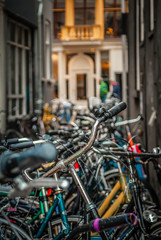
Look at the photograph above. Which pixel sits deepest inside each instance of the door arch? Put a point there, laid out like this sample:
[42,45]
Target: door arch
[81,64]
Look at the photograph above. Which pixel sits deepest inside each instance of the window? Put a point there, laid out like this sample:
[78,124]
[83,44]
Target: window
[95,86]
[55,73]
[112,3]
[59,17]
[84,12]
[67,88]
[81,87]
[105,64]
[19,70]
[112,18]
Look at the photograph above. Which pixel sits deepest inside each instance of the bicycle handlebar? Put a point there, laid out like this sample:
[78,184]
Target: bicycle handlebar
[9,141]
[106,114]
[19,146]
[103,116]
[115,110]
[23,145]
[132,154]
[118,124]
[99,225]
[11,164]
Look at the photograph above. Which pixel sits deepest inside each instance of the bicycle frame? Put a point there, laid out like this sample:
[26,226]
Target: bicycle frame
[58,202]
[122,184]
[124,197]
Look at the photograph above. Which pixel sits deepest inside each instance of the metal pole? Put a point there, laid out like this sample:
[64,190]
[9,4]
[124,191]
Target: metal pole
[40,10]
[124,59]
[2,71]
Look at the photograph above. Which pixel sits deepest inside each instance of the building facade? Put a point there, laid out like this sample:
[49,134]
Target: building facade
[87,45]
[144,48]
[144,41]
[25,58]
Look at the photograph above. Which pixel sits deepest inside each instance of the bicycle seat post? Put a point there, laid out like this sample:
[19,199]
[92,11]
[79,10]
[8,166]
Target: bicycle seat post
[91,208]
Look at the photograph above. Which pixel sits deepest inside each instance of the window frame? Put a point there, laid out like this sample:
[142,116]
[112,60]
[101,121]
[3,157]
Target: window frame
[56,11]
[85,8]
[115,9]
[17,104]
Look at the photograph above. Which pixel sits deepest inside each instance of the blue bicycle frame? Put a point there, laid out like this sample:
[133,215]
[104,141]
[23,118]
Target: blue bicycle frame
[58,202]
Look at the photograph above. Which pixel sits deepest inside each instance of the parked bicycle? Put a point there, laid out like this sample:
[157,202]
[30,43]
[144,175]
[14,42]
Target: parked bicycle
[48,216]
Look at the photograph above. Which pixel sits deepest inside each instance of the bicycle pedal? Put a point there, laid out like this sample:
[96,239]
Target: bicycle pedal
[150,216]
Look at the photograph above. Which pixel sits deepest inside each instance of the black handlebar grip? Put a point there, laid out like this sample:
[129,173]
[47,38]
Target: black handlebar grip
[11,164]
[52,132]
[5,142]
[3,149]
[43,151]
[22,145]
[99,225]
[115,110]
[103,224]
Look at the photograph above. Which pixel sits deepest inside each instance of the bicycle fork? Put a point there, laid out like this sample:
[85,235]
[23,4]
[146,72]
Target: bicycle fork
[136,196]
[91,208]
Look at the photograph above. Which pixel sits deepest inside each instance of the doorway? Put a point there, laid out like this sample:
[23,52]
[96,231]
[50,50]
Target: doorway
[81,86]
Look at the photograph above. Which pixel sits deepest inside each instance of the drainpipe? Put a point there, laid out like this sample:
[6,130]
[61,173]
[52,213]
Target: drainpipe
[124,58]
[2,71]
[40,11]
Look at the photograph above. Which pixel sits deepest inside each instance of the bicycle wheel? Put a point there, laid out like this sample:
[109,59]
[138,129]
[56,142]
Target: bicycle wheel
[104,185]
[12,133]
[128,233]
[57,224]
[9,231]
[155,231]
[148,194]
[135,233]
[73,221]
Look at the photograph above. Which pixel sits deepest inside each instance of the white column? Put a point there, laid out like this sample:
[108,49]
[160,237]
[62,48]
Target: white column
[61,78]
[98,70]
[2,73]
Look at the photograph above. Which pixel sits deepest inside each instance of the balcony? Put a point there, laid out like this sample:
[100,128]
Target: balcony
[86,32]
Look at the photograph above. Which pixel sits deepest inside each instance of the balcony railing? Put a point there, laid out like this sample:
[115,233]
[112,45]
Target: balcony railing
[86,32]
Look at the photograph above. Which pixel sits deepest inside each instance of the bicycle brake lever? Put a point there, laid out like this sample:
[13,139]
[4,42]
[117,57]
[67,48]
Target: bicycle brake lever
[23,189]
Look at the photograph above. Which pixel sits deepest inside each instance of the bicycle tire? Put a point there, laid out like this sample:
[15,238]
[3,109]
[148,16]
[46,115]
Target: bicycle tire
[127,233]
[151,194]
[12,133]
[155,231]
[73,221]
[132,233]
[7,228]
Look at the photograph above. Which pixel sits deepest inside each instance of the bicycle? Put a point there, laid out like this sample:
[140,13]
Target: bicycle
[64,164]
[11,165]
